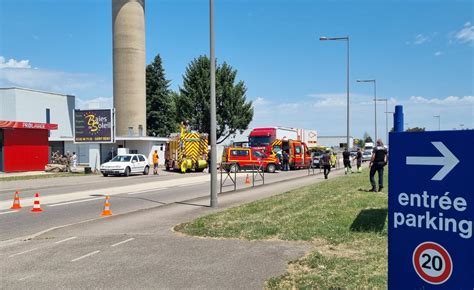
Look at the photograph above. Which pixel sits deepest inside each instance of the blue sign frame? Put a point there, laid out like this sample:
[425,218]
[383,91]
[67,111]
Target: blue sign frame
[431,210]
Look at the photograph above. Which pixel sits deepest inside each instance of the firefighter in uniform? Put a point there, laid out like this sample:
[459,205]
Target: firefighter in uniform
[346,158]
[377,164]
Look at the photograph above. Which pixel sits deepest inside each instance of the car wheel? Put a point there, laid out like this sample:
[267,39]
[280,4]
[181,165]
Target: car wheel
[146,170]
[234,167]
[105,174]
[127,171]
[271,168]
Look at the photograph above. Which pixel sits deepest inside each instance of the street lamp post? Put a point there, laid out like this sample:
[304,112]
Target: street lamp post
[345,38]
[439,121]
[386,117]
[213,133]
[375,101]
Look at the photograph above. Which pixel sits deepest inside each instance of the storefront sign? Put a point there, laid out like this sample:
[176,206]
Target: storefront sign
[27,125]
[93,126]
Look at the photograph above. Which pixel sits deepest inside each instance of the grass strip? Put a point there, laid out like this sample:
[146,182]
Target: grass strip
[346,224]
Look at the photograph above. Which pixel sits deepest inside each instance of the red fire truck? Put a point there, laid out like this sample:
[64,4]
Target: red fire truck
[275,140]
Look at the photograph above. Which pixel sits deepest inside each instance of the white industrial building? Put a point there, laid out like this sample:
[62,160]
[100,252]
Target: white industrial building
[27,105]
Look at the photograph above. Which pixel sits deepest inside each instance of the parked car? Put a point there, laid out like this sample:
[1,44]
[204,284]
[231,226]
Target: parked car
[125,165]
[366,155]
[239,158]
[316,159]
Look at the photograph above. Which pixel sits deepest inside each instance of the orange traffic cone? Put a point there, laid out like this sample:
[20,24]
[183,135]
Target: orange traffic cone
[247,180]
[106,211]
[16,201]
[36,205]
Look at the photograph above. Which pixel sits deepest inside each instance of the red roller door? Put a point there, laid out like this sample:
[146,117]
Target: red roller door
[25,149]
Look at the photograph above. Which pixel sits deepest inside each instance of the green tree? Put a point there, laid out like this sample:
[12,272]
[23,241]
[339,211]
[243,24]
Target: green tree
[367,138]
[415,129]
[233,112]
[160,105]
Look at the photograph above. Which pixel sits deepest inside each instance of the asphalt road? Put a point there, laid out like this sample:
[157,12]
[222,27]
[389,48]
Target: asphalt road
[72,200]
[138,249]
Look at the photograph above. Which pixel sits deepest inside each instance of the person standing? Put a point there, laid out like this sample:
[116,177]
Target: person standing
[377,164]
[286,160]
[74,160]
[326,162]
[346,158]
[155,163]
[358,158]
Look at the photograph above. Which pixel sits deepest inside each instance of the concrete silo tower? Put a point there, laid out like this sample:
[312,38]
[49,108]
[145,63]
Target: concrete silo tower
[128,28]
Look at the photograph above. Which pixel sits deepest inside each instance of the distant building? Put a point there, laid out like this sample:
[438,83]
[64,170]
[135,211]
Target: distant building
[23,105]
[336,142]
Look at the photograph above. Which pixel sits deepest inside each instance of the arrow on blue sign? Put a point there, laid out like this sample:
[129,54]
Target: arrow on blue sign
[448,161]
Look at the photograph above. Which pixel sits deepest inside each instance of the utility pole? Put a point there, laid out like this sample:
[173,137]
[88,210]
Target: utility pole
[213,165]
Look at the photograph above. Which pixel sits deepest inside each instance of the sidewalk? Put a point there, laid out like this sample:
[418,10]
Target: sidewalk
[152,255]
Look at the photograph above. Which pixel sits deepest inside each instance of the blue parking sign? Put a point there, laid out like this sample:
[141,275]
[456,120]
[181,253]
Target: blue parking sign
[431,210]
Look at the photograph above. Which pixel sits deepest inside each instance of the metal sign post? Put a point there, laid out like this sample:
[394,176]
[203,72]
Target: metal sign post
[431,210]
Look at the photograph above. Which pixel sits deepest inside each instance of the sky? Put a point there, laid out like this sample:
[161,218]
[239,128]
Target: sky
[421,53]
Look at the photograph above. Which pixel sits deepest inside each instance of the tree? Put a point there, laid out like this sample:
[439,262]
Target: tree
[415,129]
[367,138]
[233,112]
[160,105]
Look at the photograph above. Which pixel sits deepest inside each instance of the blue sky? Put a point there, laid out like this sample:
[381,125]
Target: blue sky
[420,52]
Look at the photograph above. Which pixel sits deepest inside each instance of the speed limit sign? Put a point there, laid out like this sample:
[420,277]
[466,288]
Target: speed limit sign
[432,263]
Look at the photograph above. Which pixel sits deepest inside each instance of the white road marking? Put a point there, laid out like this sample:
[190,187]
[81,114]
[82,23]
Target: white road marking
[150,190]
[6,212]
[189,184]
[123,242]
[77,201]
[85,256]
[27,251]
[65,240]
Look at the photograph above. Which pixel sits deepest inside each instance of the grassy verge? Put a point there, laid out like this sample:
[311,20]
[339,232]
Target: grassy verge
[346,225]
[41,176]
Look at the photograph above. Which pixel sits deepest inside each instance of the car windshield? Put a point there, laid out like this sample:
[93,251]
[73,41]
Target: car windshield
[259,141]
[121,158]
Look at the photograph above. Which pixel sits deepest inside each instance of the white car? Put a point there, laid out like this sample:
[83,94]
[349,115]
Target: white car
[367,155]
[125,165]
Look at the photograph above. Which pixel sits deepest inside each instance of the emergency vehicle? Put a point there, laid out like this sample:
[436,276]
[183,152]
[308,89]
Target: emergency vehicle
[275,140]
[186,151]
[265,138]
[299,154]
[239,158]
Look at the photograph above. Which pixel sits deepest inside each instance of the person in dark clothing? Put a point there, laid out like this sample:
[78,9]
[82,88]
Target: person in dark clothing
[346,158]
[358,157]
[326,163]
[286,161]
[377,164]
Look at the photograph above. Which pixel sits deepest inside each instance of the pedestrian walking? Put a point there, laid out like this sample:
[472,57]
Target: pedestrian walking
[286,161]
[346,159]
[326,162]
[67,161]
[155,162]
[377,164]
[358,159]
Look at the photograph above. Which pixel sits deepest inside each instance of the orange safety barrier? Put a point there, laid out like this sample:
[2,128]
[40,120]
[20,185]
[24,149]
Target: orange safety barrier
[16,201]
[247,180]
[36,205]
[106,211]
